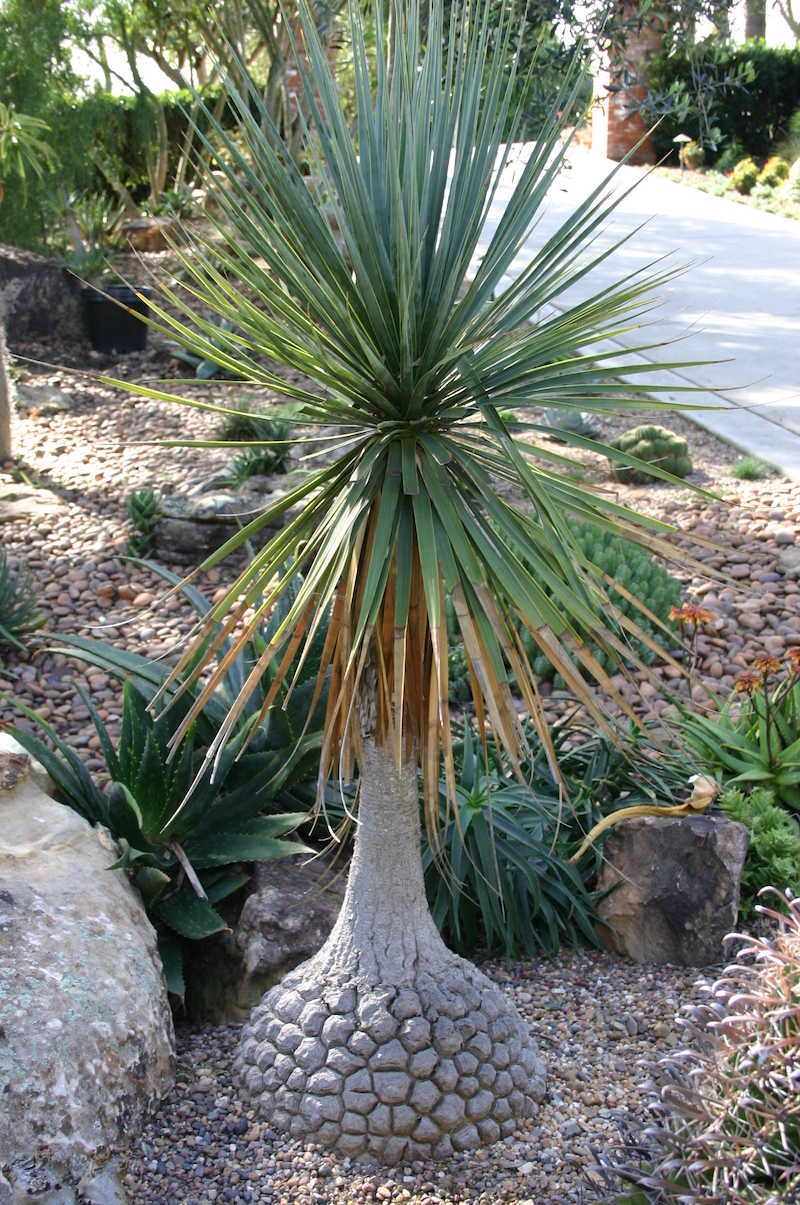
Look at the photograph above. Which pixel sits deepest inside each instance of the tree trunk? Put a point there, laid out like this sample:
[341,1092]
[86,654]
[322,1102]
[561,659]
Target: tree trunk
[5,393]
[386,1043]
[755,19]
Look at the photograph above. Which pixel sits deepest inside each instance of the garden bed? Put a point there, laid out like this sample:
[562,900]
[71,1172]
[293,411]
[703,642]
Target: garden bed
[719,184]
[594,1014]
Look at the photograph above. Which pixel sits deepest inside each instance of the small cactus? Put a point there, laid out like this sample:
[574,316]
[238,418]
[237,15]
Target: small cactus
[657,446]
[143,510]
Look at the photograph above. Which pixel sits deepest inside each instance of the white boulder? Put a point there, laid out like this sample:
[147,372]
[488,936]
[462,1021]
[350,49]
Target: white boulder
[86,1037]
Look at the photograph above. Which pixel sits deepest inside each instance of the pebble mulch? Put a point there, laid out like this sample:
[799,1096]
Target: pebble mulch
[595,1015]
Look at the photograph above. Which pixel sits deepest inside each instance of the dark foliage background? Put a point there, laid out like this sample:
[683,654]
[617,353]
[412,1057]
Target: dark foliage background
[755,116]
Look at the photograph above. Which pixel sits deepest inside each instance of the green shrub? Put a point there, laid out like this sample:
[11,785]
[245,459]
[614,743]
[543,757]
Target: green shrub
[755,117]
[773,856]
[774,172]
[118,131]
[733,152]
[655,445]
[630,565]
[19,615]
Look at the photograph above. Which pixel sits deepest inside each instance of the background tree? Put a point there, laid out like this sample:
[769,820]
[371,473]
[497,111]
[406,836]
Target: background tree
[786,10]
[22,150]
[412,358]
[755,19]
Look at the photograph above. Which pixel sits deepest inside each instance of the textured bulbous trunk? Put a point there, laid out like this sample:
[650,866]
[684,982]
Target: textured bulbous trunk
[386,1043]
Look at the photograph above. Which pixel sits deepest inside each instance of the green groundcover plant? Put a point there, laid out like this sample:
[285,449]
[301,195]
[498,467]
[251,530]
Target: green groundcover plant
[773,855]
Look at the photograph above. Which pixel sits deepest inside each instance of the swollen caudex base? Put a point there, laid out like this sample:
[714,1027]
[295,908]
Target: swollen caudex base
[414,1073]
[385,1043]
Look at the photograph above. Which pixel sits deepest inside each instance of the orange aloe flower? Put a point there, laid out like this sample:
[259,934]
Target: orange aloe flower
[747,682]
[690,613]
[767,664]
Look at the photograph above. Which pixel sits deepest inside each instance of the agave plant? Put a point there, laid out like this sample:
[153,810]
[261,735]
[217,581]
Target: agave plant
[19,614]
[412,358]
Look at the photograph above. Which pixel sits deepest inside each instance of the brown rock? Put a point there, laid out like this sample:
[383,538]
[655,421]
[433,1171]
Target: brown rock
[285,920]
[40,298]
[737,570]
[675,887]
[149,234]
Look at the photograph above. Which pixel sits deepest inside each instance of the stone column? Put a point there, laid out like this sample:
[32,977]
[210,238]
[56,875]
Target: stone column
[618,74]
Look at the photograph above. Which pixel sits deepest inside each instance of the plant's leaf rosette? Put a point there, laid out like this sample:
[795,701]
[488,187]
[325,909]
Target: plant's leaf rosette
[19,614]
[414,359]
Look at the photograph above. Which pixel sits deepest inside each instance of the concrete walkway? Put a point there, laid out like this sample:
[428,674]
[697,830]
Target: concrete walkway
[740,302]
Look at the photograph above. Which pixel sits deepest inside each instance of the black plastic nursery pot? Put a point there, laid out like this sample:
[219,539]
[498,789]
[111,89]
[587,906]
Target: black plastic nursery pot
[112,327]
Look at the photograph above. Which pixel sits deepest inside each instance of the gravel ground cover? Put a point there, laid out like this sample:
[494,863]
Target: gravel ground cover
[595,1015]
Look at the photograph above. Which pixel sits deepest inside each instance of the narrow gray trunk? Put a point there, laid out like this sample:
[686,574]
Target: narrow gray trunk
[385,931]
[5,392]
[386,1044]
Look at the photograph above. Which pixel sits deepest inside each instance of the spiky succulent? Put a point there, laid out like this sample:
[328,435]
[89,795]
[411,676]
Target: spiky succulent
[727,1128]
[142,506]
[19,614]
[650,445]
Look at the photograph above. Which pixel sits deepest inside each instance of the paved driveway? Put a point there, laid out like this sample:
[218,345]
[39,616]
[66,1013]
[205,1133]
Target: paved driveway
[740,300]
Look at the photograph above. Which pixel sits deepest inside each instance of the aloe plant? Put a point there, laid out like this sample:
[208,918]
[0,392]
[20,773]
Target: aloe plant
[759,746]
[183,827]
[142,506]
[171,822]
